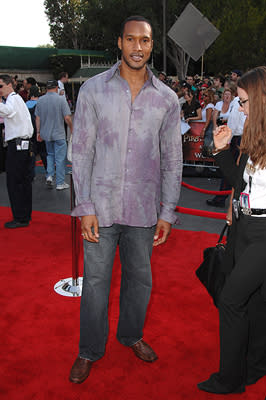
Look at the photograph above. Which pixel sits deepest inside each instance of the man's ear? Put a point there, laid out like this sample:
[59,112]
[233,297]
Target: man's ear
[119,43]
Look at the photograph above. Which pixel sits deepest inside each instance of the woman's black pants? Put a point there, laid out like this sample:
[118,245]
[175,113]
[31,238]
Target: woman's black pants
[242,307]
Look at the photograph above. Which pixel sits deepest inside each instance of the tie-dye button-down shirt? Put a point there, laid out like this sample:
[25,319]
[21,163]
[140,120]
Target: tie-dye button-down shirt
[126,157]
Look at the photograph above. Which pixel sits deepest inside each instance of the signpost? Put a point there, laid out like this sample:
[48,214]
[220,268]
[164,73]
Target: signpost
[193,32]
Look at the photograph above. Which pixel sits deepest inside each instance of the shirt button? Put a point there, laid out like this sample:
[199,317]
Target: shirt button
[129,150]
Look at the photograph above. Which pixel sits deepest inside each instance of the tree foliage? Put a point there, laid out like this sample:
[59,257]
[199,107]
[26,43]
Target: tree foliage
[95,25]
[242,42]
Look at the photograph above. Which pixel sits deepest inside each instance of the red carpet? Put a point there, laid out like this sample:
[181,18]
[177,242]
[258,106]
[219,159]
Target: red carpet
[40,329]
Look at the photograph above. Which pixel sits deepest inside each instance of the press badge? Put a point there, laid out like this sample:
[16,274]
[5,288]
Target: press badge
[244,200]
[25,144]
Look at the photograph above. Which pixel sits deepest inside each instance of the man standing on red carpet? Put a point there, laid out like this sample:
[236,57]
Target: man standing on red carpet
[127,166]
[18,131]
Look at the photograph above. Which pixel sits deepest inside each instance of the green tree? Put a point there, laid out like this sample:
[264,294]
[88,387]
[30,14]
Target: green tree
[242,42]
[65,21]
[95,24]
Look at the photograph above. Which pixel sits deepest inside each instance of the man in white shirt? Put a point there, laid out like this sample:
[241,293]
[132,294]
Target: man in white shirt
[63,78]
[18,131]
[236,121]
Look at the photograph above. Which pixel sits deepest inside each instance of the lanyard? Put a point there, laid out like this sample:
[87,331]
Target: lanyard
[249,183]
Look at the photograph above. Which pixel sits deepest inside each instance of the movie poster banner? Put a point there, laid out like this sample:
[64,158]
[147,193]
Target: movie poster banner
[193,142]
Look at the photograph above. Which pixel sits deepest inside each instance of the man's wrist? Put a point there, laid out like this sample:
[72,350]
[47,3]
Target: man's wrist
[216,150]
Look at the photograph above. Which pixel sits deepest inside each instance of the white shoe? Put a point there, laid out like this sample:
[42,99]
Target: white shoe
[62,186]
[49,181]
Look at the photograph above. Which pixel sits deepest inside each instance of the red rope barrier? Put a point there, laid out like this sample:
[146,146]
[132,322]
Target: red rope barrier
[217,192]
[200,213]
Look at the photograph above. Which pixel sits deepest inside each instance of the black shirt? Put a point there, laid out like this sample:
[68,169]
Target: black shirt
[190,110]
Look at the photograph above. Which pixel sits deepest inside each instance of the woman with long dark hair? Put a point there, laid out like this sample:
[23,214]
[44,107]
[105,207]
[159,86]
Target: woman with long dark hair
[242,303]
[191,109]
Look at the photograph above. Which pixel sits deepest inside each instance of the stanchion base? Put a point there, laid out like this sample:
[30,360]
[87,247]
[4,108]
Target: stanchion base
[65,287]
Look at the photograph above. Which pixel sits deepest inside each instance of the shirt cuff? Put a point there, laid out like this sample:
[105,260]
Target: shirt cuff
[83,209]
[169,215]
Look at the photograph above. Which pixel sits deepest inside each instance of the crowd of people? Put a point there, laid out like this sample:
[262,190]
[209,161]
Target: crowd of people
[32,125]
[214,101]
[31,91]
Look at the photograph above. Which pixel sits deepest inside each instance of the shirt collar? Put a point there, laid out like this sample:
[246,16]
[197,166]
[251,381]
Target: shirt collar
[10,94]
[114,70]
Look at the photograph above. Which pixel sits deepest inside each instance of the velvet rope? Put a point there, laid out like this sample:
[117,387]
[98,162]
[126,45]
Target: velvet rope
[217,192]
[201,213]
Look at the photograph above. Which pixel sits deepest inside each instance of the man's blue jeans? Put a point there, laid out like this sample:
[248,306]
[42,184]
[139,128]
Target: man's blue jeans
[135,248]
[56,155]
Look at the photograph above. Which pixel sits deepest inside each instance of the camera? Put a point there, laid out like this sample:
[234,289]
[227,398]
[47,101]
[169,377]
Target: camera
[220,121]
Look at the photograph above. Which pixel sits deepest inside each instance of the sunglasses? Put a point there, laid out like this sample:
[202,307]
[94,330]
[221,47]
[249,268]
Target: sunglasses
[241,103]
[205,95]
[1,86]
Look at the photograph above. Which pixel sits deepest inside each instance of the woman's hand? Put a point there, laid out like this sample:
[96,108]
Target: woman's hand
[221,136]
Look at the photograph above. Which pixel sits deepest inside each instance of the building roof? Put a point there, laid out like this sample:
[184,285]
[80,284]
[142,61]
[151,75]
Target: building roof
[37,58]
[83,74]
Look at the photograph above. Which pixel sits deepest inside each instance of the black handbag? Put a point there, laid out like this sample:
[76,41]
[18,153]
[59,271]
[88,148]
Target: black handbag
[210,271]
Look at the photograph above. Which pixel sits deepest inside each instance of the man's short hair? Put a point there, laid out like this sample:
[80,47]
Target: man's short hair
[31,81]
[237,71]
[7,79]
[34,91]
[220,77]
[51,84]
[138,18]
[63,75]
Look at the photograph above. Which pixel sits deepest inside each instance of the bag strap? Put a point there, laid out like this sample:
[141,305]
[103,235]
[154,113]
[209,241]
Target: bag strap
[224,230]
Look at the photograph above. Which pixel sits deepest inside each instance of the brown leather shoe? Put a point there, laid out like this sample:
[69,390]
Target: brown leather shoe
[143,351]
[80,370]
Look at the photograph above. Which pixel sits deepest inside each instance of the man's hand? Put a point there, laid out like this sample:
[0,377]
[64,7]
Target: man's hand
[162,232]
[39,139]
[87,223]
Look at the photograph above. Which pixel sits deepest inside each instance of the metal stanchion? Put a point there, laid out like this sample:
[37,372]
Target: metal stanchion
[72,287]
